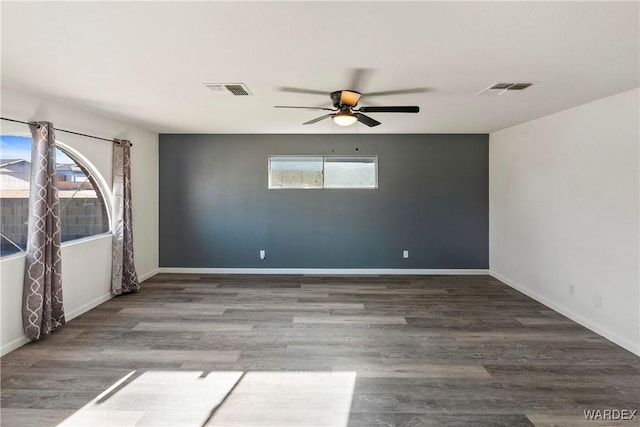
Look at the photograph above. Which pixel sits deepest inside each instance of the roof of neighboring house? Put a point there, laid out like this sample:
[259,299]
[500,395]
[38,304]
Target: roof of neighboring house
[68,167]
[23,193]
[9,182]
[6,162]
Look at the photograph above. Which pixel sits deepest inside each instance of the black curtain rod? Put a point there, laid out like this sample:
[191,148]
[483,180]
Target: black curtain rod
[63,130]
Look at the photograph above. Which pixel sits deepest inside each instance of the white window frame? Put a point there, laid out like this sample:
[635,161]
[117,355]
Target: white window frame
[324,159]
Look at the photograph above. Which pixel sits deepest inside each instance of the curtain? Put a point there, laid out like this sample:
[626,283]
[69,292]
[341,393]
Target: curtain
[42,308]
[123,276]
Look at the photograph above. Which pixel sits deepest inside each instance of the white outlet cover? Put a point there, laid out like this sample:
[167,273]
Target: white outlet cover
[405,254]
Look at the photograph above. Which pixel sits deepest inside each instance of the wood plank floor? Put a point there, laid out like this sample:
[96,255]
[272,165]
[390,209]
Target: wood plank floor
[310,350]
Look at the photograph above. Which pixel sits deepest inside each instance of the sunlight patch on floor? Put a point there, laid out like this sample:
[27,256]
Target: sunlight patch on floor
[288,399]
[193,398]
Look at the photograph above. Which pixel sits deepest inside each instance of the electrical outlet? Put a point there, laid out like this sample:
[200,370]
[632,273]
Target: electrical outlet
[571,290]
[263,254]
[405,254]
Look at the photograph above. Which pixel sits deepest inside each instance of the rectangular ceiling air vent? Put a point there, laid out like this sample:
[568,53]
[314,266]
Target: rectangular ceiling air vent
[235,89]
[503,88]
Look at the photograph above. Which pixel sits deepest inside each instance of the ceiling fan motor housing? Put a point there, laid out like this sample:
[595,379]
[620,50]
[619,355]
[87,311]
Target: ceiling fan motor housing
[345,98]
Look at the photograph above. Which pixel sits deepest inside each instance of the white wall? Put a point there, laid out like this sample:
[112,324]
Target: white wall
[86,264]
[564,211]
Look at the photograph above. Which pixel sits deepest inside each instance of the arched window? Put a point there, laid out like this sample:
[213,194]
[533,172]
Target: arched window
[84,209]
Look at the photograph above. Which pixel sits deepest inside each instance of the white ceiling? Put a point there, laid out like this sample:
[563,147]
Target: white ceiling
[145,62]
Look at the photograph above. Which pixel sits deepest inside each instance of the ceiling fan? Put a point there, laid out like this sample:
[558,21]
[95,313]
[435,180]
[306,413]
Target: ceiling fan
[344,111]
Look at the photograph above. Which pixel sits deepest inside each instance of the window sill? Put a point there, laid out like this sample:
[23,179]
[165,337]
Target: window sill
[64,245]
[86,239]
[17,255]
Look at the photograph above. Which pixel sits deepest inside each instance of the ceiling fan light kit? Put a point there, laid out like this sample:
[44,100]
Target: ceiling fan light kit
[344,118]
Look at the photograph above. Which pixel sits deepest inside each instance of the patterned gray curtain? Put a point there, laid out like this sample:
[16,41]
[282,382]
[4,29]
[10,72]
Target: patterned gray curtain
[123,272]
[42,309]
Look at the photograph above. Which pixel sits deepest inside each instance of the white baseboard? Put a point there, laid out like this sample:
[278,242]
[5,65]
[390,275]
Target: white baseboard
[324,271]
[598,329]
[104,298]
[19,342]
[12,345]
[143,277]
[88,306]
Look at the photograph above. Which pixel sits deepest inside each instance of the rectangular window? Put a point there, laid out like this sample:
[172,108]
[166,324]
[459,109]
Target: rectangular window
[295,172]
[350,172]
[323,172]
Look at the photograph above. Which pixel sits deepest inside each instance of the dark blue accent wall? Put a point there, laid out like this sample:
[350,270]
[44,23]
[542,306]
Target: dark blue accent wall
[432,200]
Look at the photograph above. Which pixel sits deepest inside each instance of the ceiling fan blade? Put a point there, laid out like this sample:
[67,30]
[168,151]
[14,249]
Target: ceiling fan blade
[301,90]
[306,108]
[359,77]
[317,119]
[366,120]
[398,109]
[398,92]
